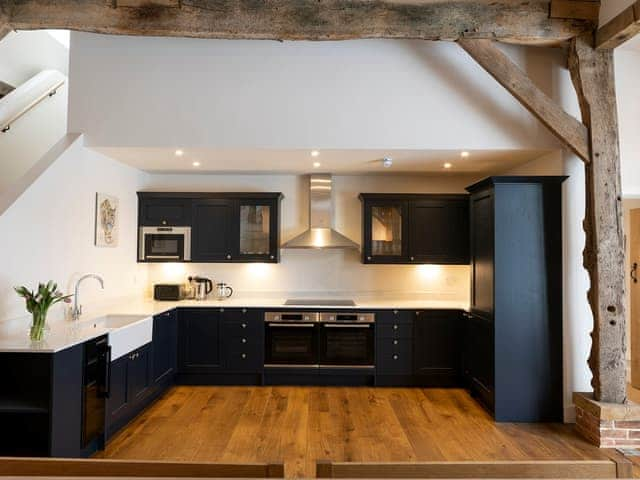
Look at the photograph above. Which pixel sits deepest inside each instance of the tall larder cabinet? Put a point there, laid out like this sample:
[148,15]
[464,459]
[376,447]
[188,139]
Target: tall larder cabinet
[513,350]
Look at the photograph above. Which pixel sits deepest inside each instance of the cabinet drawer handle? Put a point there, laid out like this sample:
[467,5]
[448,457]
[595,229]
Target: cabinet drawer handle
[395,327]
[222,310]
[395,356]
[228,257]
[272,257]
[244,340]
[243,325]
[369,258]
[244,355]
[244,310]
[395,342]
[164,222]
[413,258]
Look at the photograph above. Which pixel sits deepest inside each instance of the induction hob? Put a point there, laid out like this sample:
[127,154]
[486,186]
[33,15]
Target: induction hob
[306,302]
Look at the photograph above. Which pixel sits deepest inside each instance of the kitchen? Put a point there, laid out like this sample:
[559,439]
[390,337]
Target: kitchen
[424,234]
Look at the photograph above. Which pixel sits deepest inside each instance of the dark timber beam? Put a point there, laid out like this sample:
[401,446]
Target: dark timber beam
[578,9]
[566,128]
[5,28]
[620,29]
[506,20]
[593,76]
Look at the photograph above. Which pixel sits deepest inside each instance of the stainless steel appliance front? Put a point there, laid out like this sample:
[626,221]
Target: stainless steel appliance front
[165,244]
[320,339]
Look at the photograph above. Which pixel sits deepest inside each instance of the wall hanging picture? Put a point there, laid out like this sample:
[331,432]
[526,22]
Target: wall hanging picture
[107,220]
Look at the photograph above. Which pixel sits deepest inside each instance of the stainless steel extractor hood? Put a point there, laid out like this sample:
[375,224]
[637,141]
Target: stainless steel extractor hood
[320,233]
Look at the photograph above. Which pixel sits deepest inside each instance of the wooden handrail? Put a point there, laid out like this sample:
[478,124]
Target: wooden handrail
[620,468]
[57,467]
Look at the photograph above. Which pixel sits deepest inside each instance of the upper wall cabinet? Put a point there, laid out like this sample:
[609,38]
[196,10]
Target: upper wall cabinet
[225,227]
[415,229]
[159,211]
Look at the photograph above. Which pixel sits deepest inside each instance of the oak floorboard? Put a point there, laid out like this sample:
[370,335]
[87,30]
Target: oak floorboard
[300,425]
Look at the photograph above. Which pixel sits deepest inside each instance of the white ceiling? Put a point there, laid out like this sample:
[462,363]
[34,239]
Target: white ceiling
[162,160]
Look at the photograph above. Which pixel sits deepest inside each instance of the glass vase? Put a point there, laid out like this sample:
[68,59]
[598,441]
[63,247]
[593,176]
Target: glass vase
[38,328]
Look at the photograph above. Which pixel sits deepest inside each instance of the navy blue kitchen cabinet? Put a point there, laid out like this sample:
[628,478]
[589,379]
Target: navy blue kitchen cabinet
[225,227]
[514,346]
[394,347]
[437,348]
[44,404]
[213,230]
[220,346]
[160,210]
[130,388]
[165,349]
[415,228]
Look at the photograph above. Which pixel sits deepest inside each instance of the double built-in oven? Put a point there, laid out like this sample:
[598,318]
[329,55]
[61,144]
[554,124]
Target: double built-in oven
[319,339]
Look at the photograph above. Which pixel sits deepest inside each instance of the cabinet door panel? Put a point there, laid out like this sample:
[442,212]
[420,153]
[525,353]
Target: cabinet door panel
[436,348]
[482,254]
[258,230]
[439,231]
[138,374]
[385,231]
[165,340]
[199,341]
[156,212]
[117,403]
[213,233]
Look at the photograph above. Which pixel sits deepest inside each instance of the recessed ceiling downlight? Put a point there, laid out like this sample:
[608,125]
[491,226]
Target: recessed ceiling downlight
[447,165]
[316,164]
[196,164]
[464,154]
[179,153]
[315,153]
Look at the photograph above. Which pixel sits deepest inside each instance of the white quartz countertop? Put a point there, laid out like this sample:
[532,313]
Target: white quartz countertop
[63,335]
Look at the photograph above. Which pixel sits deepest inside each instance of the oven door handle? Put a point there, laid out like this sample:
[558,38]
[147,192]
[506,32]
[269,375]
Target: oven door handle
[292,325]
[342,325]
[171,257]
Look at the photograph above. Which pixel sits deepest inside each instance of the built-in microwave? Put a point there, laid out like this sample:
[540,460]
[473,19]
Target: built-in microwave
[165,244]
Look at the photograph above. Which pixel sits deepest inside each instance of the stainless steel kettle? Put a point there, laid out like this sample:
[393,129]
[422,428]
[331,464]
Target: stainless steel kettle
[204,287]
[223,291]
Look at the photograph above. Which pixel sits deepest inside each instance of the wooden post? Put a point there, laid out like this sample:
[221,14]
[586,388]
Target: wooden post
[5,28]
[593,76]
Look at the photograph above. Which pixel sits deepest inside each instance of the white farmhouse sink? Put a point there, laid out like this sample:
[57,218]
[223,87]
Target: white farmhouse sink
[126,332]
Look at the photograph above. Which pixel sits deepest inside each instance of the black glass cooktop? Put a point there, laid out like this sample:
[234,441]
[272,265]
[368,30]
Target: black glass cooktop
[305,302]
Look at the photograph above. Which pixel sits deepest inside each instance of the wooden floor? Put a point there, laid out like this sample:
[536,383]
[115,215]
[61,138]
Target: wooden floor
[302,424]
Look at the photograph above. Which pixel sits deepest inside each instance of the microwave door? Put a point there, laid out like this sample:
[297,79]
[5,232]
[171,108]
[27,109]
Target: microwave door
[169,247]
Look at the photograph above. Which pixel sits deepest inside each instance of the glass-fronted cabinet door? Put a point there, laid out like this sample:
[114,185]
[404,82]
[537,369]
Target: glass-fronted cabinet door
[385,231]
[258,225]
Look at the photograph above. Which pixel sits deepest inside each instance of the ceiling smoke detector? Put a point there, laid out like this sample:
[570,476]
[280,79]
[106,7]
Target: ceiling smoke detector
[387,162]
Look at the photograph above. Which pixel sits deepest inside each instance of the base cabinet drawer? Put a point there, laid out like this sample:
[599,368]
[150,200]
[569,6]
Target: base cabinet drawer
[245,360]
[394,357]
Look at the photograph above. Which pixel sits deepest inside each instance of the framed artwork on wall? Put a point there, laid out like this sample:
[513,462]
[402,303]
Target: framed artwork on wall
[107,220]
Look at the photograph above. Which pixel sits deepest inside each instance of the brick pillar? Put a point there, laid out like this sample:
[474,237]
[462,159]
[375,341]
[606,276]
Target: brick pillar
[607,425]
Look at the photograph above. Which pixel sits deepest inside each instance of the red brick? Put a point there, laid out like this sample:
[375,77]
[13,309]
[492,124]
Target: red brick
[634,434]
[628,424]
[615,433]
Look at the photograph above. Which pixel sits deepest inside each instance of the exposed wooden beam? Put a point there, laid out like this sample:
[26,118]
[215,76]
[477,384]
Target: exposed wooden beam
[518,22]
[619,29]
[5,28]
[566,128]
[593,76]
[578,9]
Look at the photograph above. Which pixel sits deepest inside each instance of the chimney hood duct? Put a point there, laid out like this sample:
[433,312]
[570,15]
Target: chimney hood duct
[320,233]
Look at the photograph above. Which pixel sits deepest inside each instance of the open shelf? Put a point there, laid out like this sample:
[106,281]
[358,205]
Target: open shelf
[23,405]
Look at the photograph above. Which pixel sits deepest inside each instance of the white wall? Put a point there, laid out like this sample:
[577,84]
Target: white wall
[322,271]
[627,75]
[48,233]
[611,8]
[25,53]
[160,92]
